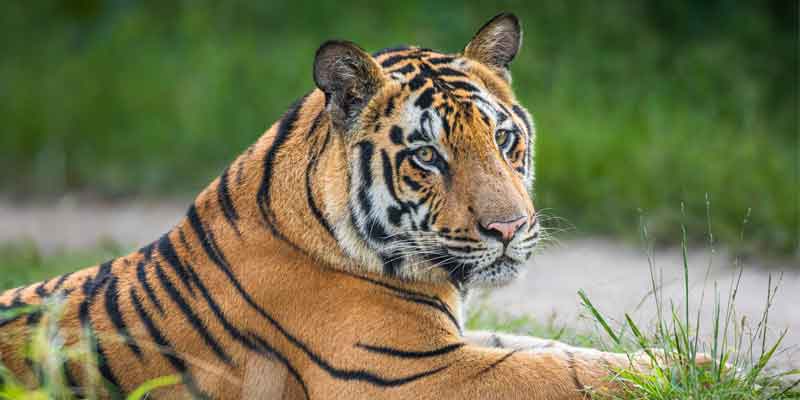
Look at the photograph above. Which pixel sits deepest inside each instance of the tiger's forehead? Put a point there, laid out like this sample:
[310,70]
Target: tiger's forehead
[459,77]
[449,91]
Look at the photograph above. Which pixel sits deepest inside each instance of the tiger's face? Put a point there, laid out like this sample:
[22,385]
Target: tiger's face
[440,164]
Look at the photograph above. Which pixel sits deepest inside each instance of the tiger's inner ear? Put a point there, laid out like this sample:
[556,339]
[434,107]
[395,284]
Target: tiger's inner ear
[349,77]
[496,43]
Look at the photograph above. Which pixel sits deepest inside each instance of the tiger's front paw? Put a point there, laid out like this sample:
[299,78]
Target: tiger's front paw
[646,360]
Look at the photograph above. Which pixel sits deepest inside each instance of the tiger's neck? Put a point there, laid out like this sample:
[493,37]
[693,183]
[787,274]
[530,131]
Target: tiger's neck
[287,194]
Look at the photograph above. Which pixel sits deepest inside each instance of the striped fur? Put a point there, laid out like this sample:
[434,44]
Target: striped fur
[329,259]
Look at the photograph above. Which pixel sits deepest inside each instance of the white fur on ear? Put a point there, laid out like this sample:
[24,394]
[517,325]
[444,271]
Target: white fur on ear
[496,43]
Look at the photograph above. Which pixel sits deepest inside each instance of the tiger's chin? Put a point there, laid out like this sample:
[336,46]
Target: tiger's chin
[501,272]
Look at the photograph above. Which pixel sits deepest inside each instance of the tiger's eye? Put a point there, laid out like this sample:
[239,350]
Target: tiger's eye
[425,154]
[502,137]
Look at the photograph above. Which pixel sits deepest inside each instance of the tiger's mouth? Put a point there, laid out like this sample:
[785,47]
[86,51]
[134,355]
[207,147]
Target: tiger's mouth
[500,272]
[502,262]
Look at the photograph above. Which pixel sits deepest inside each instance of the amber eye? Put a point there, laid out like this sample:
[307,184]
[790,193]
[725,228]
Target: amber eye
[425,155]
[502,136]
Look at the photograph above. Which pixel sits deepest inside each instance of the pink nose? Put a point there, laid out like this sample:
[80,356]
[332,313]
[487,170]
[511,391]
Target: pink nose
[508,229]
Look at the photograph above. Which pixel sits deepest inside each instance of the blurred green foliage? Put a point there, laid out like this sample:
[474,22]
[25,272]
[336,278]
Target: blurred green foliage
[639,105]
[22,262]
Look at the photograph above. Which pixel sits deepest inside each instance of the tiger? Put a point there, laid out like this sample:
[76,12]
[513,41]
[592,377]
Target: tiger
[331,259]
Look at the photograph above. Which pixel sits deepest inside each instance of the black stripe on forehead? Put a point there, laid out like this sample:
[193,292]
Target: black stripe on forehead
[440,60]
[425,131]
[388,50]
[501,117]
[521,114]
[406,69]
[505,109]
[502,114]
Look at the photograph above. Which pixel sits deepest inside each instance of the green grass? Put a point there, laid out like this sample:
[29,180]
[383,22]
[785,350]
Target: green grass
[46,352]
[22,262]
[638,105]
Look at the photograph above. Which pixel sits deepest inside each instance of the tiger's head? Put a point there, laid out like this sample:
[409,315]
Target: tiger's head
[439,154]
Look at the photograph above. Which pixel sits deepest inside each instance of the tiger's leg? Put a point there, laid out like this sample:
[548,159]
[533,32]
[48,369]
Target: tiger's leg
[476,372]
[509,341]
[586,367]
[551,372]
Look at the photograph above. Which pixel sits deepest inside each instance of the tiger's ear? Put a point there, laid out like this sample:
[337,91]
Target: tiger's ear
[496,43]
[349,77]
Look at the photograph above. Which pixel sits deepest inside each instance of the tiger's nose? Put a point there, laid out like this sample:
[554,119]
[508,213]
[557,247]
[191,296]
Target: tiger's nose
[506,229]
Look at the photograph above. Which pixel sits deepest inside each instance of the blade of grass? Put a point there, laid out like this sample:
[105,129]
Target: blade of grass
[599,317]
[153,384]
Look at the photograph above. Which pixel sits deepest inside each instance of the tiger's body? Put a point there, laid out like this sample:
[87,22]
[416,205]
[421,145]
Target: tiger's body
[329,261]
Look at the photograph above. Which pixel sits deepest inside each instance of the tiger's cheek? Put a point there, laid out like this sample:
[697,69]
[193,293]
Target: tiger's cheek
[516,156]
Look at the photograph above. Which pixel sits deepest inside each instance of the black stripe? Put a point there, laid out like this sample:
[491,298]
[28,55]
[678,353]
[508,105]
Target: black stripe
[190,315]
[60,281]
[416,82]
[496,341]
[263,197]
[416,297]
[390,50]
[408,68]
[411,354]
[226,203]
[91,288]
[218,313]
[112,308]
[388,177]
[414,185]
[496,363]
[310,170]
[466,86]
[391,263]
[425,99]
[141,274]
[147,251]
[106,372]
[465,248]
[17,296]
[40,289]
[447,71]
[440,60]
[72,383]
[573,371]
[210,248]
[165,348]
[34,317]
[521,114]
[396,59]
[372,228]
[6,321]
[315,123]
[390,106]
[167,251]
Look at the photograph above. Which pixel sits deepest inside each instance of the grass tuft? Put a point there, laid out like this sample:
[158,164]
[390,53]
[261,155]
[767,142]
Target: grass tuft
[48,355]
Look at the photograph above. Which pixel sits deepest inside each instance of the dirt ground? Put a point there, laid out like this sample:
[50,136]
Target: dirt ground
[615,276]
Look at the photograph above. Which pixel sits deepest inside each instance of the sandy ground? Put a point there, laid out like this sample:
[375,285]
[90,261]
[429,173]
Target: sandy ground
[615,276]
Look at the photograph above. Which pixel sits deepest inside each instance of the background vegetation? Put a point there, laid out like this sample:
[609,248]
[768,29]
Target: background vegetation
[639,105]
